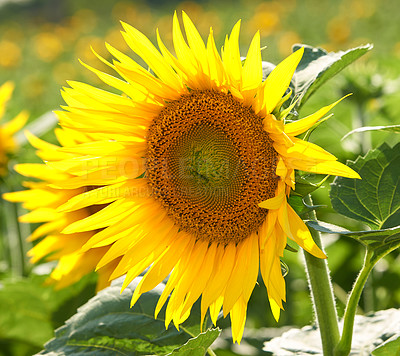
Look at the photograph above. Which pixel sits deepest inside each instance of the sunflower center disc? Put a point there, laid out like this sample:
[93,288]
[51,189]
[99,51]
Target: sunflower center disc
[209,163]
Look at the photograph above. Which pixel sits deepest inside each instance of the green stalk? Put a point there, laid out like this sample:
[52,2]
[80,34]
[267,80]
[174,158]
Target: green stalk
[5,242]
[344,346]
[21,242]
[322,293]
[13,236]
[360,120]
[211,352]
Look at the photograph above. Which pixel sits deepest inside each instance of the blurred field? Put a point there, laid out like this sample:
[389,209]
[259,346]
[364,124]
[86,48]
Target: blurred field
[41,41]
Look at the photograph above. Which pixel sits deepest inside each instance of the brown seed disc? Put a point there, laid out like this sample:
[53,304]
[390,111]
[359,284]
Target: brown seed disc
[209,163]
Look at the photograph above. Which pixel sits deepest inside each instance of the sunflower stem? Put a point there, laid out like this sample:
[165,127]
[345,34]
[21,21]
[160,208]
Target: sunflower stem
[344,346]
[4,239]
[322,293]
[15,243]
[211,352]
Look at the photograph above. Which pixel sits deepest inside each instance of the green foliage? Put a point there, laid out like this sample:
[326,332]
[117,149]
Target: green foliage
[390,348]
[24,313]
[389,128]
[304,186]
[317,66]
[380,241]
[107,325]
[38,91]
[298,204]
[30,310]
[198,345]
[375,199]
[370,331]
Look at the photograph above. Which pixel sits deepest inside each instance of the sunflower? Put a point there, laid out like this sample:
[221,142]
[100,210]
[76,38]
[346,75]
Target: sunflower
[7,130]
[43,200]
[186,172]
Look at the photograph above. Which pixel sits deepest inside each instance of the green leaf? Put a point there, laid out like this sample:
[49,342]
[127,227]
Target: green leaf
[24,315]
[300,207]
[369,332]
[267,68]
[108,326]
[284,268]
[317,66]
[197,346]
[375,199]
[389,128]
[381,241]
[30,310]
[390,348]
[304,186]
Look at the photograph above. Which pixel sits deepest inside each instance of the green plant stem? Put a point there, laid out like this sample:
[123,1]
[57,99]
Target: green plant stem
[20,241]
[361,121]
[344,346]
[4,235]
[322,293]
[13,236]
[211,352]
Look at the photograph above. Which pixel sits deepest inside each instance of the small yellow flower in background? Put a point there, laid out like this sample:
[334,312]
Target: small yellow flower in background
[10,54]
[8,129]
[48,46]
[188,172]
[339,30]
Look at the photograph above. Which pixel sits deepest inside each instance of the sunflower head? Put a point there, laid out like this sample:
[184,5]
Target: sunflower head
[187,171]
[209,163]
[8,129]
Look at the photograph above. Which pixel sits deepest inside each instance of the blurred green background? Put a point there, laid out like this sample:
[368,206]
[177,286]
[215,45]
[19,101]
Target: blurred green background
[40,43]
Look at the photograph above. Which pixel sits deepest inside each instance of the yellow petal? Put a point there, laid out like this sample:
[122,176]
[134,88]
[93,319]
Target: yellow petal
[275,202]
[298,127]
[41,171]
[267,228]
[144,211]
[294,228]
[5,95]
[196,43]
[276,310]
[110,80]
[104,275]
[40,215]
[308,150]
[234,287]
[326,167]
[50,227]
[238,319]
[217,72]
[252,69]
[186,280]
[174,278]
[253,267]
[11,127]
[231,57]
[215,309]
[139,265]
[279,79]
[111,214]
[71,268]
[219,277]
[141,45]
[182,50]
[165,263]
[201,280]
[135,250]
